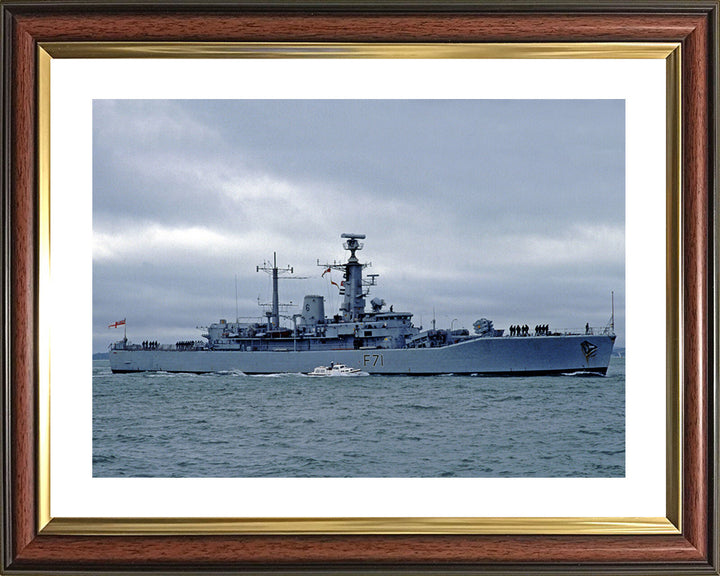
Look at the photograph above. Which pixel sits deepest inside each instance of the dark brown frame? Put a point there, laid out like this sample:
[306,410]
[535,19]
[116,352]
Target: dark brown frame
[692,23]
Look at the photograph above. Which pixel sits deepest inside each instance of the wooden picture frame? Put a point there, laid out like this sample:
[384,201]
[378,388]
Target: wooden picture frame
[30,546]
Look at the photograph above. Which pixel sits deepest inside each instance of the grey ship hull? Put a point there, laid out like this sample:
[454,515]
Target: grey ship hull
[482,356]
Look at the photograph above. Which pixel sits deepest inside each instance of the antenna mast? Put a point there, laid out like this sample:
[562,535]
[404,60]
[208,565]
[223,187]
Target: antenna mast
[274,271]
[237,314]
[353,305]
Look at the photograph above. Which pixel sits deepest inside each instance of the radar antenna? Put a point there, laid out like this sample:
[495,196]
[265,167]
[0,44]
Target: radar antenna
[352,244]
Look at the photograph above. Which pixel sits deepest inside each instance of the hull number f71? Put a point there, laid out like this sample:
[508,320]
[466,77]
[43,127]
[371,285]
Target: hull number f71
[373,360]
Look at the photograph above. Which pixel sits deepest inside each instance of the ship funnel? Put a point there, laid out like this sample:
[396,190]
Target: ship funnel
[313,311]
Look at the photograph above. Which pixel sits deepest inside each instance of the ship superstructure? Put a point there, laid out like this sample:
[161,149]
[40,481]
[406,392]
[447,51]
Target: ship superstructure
[379,340]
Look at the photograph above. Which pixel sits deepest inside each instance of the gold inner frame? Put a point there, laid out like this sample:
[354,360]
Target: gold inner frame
[671,524]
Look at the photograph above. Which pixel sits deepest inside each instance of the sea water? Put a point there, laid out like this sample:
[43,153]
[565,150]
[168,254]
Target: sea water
[292,425]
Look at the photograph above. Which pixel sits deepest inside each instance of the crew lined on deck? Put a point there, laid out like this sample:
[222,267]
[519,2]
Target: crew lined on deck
[524,330]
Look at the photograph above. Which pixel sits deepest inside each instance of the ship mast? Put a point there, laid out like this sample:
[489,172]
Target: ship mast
[353,305]
[275,272]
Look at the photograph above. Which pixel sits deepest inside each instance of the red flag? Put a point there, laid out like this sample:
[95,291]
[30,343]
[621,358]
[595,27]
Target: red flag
[326,271]
[116,324]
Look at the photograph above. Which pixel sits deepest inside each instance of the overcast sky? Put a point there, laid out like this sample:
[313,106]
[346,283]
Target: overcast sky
[510,210]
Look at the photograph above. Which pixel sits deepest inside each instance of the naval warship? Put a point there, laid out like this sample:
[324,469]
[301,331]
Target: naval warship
[378,340]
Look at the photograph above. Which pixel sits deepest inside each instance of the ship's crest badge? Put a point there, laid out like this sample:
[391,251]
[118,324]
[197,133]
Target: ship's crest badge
[589,349]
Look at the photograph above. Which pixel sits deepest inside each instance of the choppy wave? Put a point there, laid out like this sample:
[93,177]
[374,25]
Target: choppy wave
[514,398]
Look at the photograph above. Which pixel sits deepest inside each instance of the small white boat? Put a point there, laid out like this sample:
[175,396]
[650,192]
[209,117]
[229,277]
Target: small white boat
[337,370]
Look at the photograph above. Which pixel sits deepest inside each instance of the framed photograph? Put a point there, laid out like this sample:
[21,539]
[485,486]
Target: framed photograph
[193,193]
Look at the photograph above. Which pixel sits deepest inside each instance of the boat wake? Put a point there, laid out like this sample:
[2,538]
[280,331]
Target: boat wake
[277,375]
